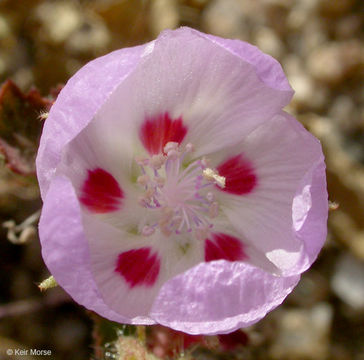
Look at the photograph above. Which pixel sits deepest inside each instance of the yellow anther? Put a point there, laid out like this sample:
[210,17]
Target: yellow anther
[157,161]
[143,180]
[212,175]
[47,284]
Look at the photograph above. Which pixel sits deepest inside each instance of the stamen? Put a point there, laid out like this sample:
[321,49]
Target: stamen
[213,210]
[210,196]
[157,161]
[201,233]
[189,148]
[170,146]
[212,175]
[142,161]
[177,196]
[148,230]
[143,180]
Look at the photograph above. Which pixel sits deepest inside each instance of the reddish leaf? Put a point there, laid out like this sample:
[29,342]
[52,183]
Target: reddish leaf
[165,342]
[233,340]
[20,126]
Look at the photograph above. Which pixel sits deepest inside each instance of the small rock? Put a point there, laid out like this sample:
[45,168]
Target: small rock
[225,18]
[163,15]
[330,63]
[308,94]
[68,332]
[335,7]
[311,289]
[349,26]
[303,334]
[324,64]
[4,28]
[269,42]
[91,37]
[58,20]
[314,36]
[348,281]
[341,110]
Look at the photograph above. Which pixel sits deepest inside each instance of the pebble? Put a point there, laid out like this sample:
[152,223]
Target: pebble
[58,19]
[348,281]
[303,333]
[91,37]
[164,15]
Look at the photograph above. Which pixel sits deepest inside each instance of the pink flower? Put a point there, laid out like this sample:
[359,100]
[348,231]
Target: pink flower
[176,190]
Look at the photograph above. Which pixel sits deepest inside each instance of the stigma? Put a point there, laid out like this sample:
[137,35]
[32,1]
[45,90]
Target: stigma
[178,193]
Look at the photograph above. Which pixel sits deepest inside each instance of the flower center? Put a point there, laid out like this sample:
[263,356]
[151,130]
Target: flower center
[180,198]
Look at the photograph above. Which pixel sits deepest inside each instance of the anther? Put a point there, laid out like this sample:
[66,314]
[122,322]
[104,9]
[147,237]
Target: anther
[143,180]
[159,180]
[213,210]
[173,154]
[210,196]
[170,146]
[212,175]
[205,162]
[201,233]
[157,161]
[164,227]
[141,160]
[189,148]
[148,230]
[188,211]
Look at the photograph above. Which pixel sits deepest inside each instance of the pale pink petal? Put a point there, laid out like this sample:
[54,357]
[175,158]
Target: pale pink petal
[221,246]
[310,211]
[100,192]
[155,133]
[139,266]
[239,174]
[77,104]
[268,69]
[114,196]
[219,297]
[65,250]
[284,158]
[223,243]
[216,98]
[130,287]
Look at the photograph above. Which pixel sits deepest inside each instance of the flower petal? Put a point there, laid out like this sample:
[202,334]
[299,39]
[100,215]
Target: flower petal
[310,212]
[239,175]
[218,95]
[138,266]
[112,195]
[65,249]
[77,104]
[224,247]
[268,69]
[130,269]
[219,297]
[285,158]
[100,192]
[155,133]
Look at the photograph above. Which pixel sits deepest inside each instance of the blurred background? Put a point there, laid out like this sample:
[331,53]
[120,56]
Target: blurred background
[320,46]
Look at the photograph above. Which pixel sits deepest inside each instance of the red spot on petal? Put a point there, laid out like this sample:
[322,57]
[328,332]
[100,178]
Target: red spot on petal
[138,267]
[239,174]
[100,192]
[155,133]
[233,340]
[224,247]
